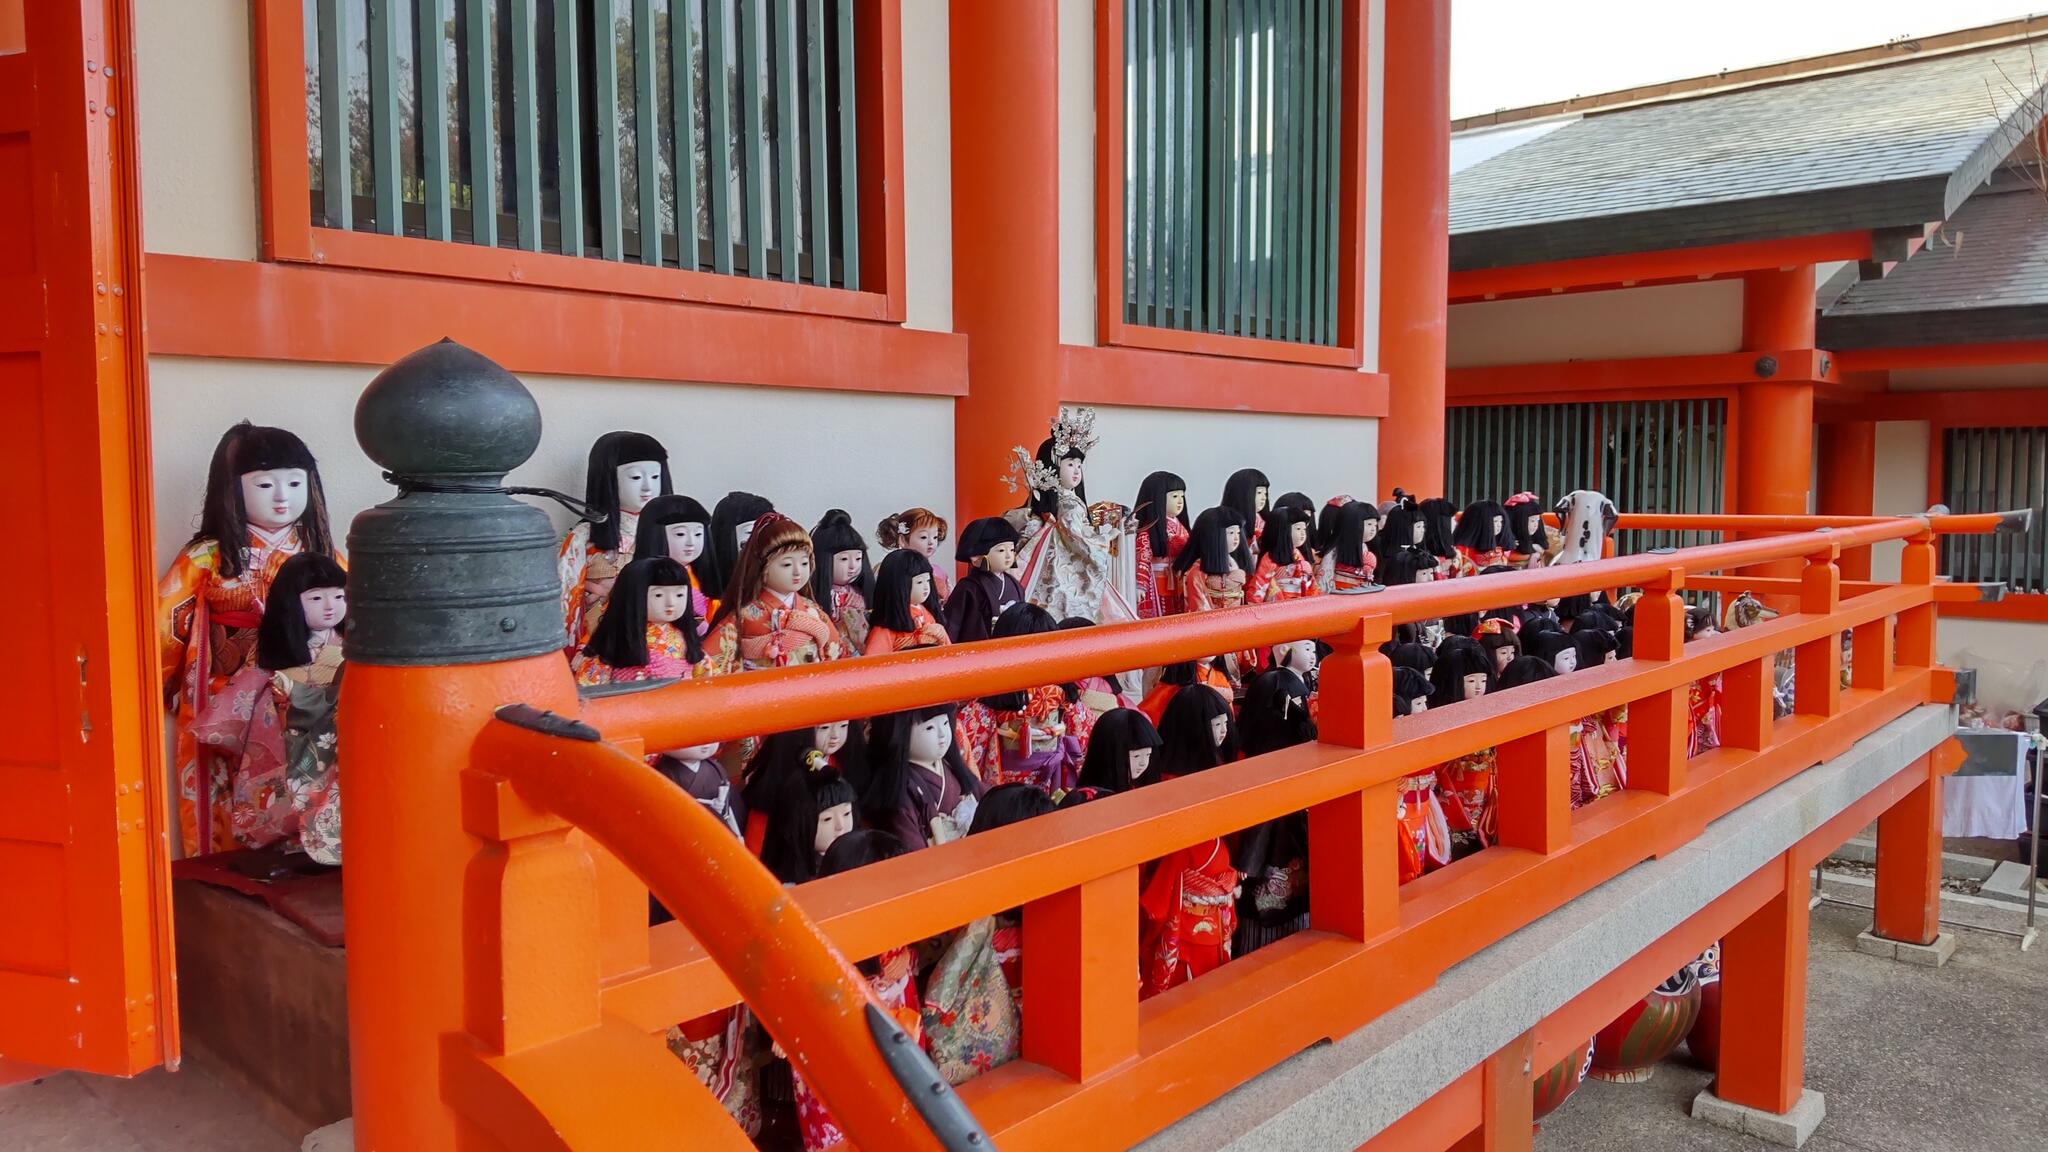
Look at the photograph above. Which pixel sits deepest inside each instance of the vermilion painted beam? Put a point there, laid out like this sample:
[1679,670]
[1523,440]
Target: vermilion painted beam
[1143,378]
[2031,608]
[1976,408]
[1944,355]
[1667,265]
[1655,373]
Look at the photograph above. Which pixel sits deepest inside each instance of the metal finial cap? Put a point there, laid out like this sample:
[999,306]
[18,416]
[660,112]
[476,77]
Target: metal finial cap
[447,410]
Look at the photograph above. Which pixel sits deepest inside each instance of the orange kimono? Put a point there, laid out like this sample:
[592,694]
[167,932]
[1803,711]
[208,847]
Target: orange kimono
[587,573]
[206,632]
[668,658]
[1158,591]
[773,633]
[1201,592]
[1155,702]
[1468,562]
[928,631]
[1272,583]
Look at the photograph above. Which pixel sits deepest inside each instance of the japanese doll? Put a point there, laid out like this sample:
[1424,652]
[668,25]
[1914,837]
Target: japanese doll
[1120,752]
[1187,907]
[1032,737]
[649,630]
[1162,531]
[1439,519]
[920,789]
[1349,562]
[1703,696]
[1248,493]
[901,618]
[273,723]
[1525,525]
[732,521]
[625,471]
[1286,569]
[844,585]
[677,527]
[1273,856]
[1466,786]
[766,618]
[698,773]
[989,547]
[1422,834]
[805,803]
[1481,539]
[1213,571]
[921,530]
[263,505]
[1069,550]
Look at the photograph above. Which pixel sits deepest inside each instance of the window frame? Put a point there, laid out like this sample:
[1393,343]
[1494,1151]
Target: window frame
[288,235]
[1110,141]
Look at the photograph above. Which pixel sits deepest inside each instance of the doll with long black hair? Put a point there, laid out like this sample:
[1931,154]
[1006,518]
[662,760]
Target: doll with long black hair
[263,505]
[1481,539]
[1214,569]
[732,523]
[1326,521]
[1421,830]
[920,789]
[1525,526]
[1348,561]
[625,471]
[1032,737]
[1599,747]
[1068,561]
[766,618]
[1120,752]
[648,631]
[1439,518]
[988,547]
[1249,494]
[1286,568]
[1187,906]
[844,584]
[1467,784]
[1274,855]
[1524,670]
[900,618]
[1161,515]
[806,803]
[678,527]
[1411,691]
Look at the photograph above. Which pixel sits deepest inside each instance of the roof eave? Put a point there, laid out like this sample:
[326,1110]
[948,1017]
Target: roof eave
[1993,325]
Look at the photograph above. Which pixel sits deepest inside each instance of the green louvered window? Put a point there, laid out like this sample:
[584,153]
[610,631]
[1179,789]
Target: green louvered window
[1233,121]
[1647,456]
[1997,470]
[591,127]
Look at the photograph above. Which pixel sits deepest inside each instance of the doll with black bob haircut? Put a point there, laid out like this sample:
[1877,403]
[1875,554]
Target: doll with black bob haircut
[627,644]
[734,512]
[988,589]
[900,617]
[1411,691]
[1187,733]
[283,639]
[1007,804]
[1347,539]
[1286,568]
[1525,528]
[1481,539]
[655,537]
[805,800]
[1119,733]
[1459,657]
[599,544]
[1524,670]
[1162,533]
[1247,493]
[1438,517]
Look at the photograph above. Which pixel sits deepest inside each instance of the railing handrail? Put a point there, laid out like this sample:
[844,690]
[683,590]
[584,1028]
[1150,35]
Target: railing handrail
[1941,524]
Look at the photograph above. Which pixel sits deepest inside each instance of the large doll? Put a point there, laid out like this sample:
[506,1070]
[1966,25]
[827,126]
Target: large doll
[989,546]
[922,531]
[625,471]
[844,584]
[1248,493]
[1187,906]
[1070,548]
[678,527]
[766,618]
[649,631]
[263,506]
[1286,569]
[1349,563]
[920,789]
[901,619]
[1162,531]
[1481,540]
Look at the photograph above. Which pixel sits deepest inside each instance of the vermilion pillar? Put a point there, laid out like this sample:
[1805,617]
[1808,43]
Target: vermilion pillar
[1414,260]
[1848,474]
[1774,421]
[1006,274]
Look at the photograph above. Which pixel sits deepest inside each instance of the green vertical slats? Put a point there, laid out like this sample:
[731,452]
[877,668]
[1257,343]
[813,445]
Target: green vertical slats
[1257,264]
[335,174]
[1333,100]
[1303,251]
[785,134]
[1280,194]
[525,126]
[1198,172]
[477,100]
[384,126]
[718,133]
[817,192]
[681,86]
[1240,164]
[569,128]
[1222,201]
[604,76]
[849,187]
[1140,214]
[1162,159]
[433,119]
[752,178]
[647,132]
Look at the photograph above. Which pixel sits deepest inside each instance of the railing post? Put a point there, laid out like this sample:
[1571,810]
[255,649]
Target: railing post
[1534,778]
[1871,653]
[1353,855]
[454,610]
[1908,898]
[1763,1001]
[1916,624]
[1749,704]
[1658,723]
[1080,964]
[1817,664]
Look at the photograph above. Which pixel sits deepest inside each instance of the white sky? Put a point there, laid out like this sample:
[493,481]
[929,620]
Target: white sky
[1510,53]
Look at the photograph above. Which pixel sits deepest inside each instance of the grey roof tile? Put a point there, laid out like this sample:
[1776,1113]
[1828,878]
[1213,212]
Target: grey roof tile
[1993,253]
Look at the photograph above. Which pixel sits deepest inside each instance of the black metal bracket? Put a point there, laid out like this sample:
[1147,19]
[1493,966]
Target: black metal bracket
[941,1107]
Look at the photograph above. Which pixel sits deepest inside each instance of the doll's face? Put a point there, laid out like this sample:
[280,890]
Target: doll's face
[1368,530]
[324,607]
[1219,728]
[639,482]
[1259,499]
[741,533]
[1298,657]
[1233,537]
[1425,575]
[846,565]
[1610,657]
[830,738]
[685,543]
[666,603]
[925,542]
[695,753]
[274,498]
[787,573]
[1502,657]
[1499,522]
[1419,704]
[1070,473]
[833,823]
[920,587]
[1416,532]
[1002,557]
[1533,527]
[1565,661]
[1300,535]
[1176,503]
[1141,763]
[931,739]
[1475,685]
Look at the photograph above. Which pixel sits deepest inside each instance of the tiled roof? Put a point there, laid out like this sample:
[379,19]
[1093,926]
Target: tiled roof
[1878,147]
[1984,278]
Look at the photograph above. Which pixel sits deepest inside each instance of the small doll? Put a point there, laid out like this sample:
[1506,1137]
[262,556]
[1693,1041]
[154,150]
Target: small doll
[1246,493]
[1422,830]
[1274,855]
[1439,518]
[1300,501]
[1555,647]
[1286,569]
[989,546]
[844,584]
[1120,752]
[648,631]
[1467,785]
[677,527]
[1481,539]
[1187,904]
[1503,646]
[1213,571]
[1033,737]
[626,470]
[920,789]
[922,531]
[900,618]
[1161,514]
[1411,691]
[808,804]
[843,743]
[765,619]
[1704,698]
[1525,525]
[1348,562]
[732,521]
[263,505]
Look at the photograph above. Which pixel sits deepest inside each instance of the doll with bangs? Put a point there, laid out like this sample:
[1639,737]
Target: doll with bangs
[902,617]
[1214,569]
[1349,562]
[677,527]
[626,471]
[1187,904]
[1286,569]
[1162,532]
[919,789]
[649,628]
[1481,539]
[1525,528]
[1467,785]
[767,618]
[844,584]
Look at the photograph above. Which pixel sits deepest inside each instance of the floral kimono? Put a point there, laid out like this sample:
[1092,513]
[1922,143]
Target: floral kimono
[1066,563]
[1044,744]
[1271,582]
[894,983]
[926,631]
[1703,700]
[668,658]
[1599,756]
[1471,562]
[1425,834]
[1469,790]
[972,1003]
[275,733]
[206,633]
[850,616]
[1335,577]
[1158,591]
[1187,914]
[774,633]
[587,572]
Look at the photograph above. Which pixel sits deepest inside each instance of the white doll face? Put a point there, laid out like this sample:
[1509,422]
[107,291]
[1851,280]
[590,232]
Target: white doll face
[846,565]
[685,542]
[1368,529]
[931,739]
[1499,523]
[274,498]
[1298,657]
[1565,661]
[695,753]
[920,587]
[1425,575]
[830,738]
[324,607]
[1141,763]
[1259,499]
[1533,526]
[639,482]
[1419,704]
[1300,535]
[1002,557]
[666,603]
[1070,473]
[1502,657]
[1416,532]
[1176,503]
[833,823]
[925,542]
[788,573]
[1610,657]
[1233,537]
[1475,685]
[741,533]
[1219,728]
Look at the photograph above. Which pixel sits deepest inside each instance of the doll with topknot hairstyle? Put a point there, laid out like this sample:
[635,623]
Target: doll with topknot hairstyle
[625,471]
[767,619]
[1162,526]
[844,584]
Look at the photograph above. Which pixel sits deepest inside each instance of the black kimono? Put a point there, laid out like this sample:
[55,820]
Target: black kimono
[977,600]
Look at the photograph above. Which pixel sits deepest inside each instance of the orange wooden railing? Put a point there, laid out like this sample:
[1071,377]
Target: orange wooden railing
[1096,1060]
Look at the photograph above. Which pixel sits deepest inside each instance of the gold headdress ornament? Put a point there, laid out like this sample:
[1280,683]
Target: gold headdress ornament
[1073,431]
[815,760]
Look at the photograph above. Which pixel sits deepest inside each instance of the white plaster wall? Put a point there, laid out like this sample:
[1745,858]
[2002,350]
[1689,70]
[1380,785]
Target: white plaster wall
[1700,318]
[927,166]
[2011,659]
[195,89]
[1077,171]
[1319,455]
[1900,485]
[807,451]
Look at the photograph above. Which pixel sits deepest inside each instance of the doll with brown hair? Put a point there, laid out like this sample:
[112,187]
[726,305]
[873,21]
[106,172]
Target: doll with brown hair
[263,505]
[767,618]
[922,531]
[625,471]
[844,584]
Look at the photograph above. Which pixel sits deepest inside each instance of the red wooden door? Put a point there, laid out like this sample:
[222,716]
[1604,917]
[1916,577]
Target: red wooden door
[85,950]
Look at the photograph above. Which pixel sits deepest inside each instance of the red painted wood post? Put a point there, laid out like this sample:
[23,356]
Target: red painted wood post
[1534,778]
[1909,863]
[1763,1001]
[1916,625]
[1658,723]
[1080,963]
[1748,706]
[1871,656]
[1507,1101]
[1817,664]
[1353,853]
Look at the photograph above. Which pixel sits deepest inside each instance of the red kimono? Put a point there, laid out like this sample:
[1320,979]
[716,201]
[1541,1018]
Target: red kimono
[1158,591]
[774,633]
[1187,913]
[1272,583]
[1469,562]
[1337,577]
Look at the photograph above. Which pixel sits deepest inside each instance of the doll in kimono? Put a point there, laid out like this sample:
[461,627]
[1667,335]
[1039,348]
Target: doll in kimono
[1030,737]
[901,618]
[625,471]
[1187,905]
[1161,514]
[804,801]
[732,521]
[1286,569]
[1525,525]
[844,584]
[1439,519]
[920,789]
[1467,785]
[1349,562]
[1069,549]
[920,530]
[989,546]
[767,618]
[676,526]
[263,505]
[1422,832]
[649,628]
[1248,493]
[1213,570]
[1481,539]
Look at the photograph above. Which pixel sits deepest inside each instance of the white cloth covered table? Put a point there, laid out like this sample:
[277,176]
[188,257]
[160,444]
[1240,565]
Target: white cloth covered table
[1987,795]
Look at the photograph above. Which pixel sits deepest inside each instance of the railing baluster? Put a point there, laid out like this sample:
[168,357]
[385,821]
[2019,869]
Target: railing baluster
[647,131]
[1916,625]
[1871,646]
[384,160]
[752,178]
[604,74]
[1352,847]
[335,169]
[569,129]
[1658,723]
[1748,705]
[477,99]
[682,89]
[525,126]
[1534,778]
[1079,958]
[818,191]
[433,119]
[1817,676]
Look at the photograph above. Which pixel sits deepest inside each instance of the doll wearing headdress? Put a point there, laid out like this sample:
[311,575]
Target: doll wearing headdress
[1068,556]
[649,629]
[766,618]
[263,506]
[1163,529]
[625,471]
